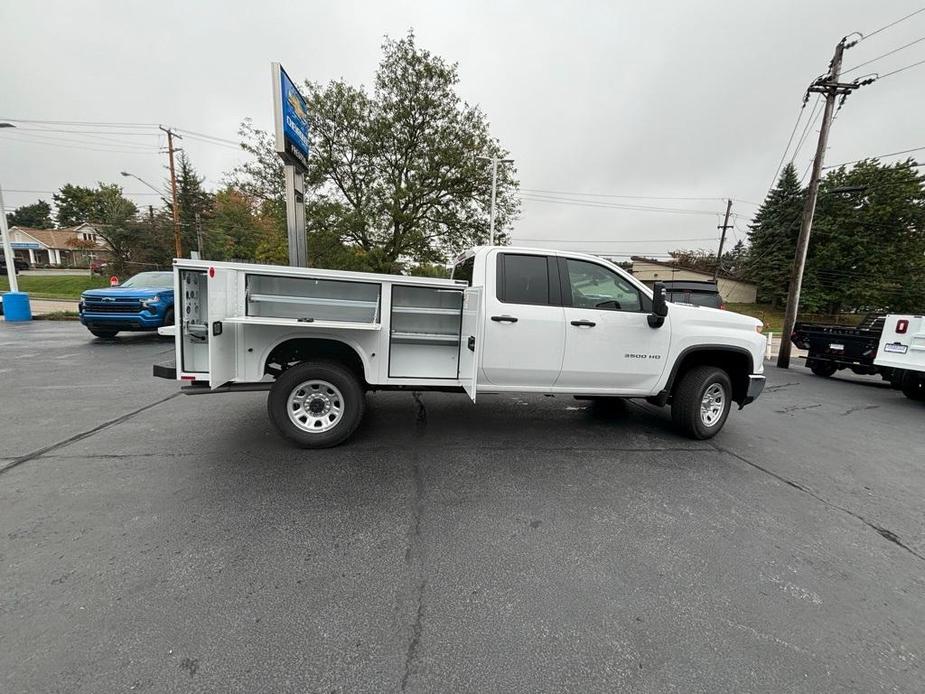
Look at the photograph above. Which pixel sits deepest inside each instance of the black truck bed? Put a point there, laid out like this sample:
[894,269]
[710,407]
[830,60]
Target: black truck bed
[834,347]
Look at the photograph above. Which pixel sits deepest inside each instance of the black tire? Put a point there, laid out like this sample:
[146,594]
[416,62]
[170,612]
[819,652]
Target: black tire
[823,368]
[347,389]
[105,334]
[688,398]
[913,386]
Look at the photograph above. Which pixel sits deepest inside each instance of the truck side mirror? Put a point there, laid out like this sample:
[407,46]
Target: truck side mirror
[659,306]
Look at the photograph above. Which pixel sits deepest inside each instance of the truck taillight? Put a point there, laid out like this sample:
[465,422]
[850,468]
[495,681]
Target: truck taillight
[902,325]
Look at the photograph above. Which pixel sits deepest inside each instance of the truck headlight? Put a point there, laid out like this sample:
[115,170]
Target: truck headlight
[147,303]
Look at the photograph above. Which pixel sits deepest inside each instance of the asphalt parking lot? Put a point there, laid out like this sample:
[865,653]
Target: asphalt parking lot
[164,543]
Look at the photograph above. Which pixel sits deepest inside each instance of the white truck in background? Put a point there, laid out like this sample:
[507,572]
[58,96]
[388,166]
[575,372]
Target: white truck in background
[514,320]
[902,349]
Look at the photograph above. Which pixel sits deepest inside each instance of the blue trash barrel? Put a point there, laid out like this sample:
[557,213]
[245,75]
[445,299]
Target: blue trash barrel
[16,306]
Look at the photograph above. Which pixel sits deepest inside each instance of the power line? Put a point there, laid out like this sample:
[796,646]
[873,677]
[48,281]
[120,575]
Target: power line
[606,205]
[52,192]
[902,69]
[789,140]
[87,123]
[813,116]
[891,24]
[884,55]
[104,142]
[208,137]
[612,195]
[209,142]
[24,140]
[85,132]
[876,156]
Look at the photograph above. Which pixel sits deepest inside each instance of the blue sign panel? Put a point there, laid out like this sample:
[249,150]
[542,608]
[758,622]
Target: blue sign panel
[25,245]
[294,115]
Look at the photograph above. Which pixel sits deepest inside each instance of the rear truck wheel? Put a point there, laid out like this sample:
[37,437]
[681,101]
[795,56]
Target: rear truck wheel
[702,402]
[823,368]
[913,386]
[105,334]
[317,404]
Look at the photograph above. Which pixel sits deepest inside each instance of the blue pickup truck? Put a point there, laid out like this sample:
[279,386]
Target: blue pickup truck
[144,302]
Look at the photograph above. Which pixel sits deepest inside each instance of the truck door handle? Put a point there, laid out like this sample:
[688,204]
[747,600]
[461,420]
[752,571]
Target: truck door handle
[504,319]
[584,323]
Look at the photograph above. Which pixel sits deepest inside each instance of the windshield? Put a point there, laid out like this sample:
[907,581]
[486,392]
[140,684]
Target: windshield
[150,280]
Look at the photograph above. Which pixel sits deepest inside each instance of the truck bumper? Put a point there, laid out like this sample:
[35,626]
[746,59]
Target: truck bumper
[755,386]
[122,321]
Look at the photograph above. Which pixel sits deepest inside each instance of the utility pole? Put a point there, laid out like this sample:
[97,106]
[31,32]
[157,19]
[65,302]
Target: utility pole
[199,235]
[722,239]
[828,85]
[173,189]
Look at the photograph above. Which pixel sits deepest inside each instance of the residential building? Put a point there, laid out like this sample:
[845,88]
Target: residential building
[731,289]
[65,247]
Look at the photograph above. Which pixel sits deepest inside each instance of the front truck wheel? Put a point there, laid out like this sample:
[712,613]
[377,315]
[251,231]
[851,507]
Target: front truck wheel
[317,404]
[702,402]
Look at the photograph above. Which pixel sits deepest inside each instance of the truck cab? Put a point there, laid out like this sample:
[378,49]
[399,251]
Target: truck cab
[510,320]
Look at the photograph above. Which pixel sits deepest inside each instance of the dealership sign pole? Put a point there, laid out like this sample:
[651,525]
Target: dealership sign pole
[291,118]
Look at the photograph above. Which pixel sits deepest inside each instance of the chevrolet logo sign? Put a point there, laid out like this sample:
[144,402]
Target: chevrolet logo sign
[108,298]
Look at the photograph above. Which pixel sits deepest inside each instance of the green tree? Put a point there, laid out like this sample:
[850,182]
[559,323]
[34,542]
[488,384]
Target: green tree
[867,250]
[194,203]
[772,239]
[35,216]
[394,174]
[75,204]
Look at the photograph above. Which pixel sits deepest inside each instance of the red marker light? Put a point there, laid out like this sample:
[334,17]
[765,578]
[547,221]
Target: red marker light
[902,325]
[211,272]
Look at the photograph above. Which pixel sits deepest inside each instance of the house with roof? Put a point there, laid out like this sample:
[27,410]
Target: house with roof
[64,247]
[732,289]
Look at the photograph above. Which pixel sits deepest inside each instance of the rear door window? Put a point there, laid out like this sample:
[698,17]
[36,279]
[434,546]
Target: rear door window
[523,279]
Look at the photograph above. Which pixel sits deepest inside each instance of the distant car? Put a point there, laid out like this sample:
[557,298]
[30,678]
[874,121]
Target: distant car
[18,263]
[143,302]
[695,292]
[98,267]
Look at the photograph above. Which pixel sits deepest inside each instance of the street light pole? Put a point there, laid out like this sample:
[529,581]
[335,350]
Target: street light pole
[139,178]
[494,191]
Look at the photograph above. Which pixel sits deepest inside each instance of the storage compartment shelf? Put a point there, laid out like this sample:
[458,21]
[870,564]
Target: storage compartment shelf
[427,310]
[296,323]
[312,300]
[411,337]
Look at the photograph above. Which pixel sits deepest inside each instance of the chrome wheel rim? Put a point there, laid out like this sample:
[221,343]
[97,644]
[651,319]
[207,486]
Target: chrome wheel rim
[712,404]
[315,406]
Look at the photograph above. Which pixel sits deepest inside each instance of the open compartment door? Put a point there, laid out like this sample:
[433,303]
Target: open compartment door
[470,340]
[222,335]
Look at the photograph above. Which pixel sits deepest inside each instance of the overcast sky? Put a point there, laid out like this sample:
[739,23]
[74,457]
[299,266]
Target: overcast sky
[649,98]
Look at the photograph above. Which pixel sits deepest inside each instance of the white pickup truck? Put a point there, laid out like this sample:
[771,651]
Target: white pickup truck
[514,320]
[902,349]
